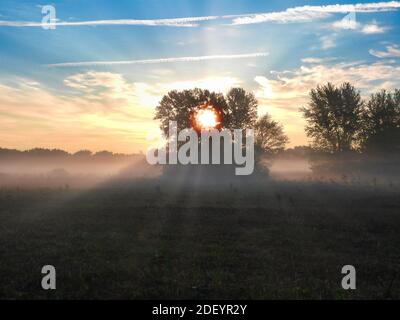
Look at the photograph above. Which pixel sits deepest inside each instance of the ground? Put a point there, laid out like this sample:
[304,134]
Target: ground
[148,240]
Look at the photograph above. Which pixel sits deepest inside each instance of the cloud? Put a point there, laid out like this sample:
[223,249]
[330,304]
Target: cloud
[290,15]
[216,83]
[313,60]
[328,42]
[98,115]
[309,13]
[346,24]
[294,84]
[162,60]
[104,86]
[373,28]
[100,110]
[392,51]
[352,24]
[176,22]
[282,93]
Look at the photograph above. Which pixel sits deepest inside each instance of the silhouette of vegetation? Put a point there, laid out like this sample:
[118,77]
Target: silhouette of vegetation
[179,105]
[339,120]
[54,153]
[381,123]
[83,153]
[269,136]
[242,109]
[238,108]
[351,135]
[333,117]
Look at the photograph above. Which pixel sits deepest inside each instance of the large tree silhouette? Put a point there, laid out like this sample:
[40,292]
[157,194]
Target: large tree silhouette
[269,136]
[333,117]
[242,109]
[179,105]
[381,122]
[238,108]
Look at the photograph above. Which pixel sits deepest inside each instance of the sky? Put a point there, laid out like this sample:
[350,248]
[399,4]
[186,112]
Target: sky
[93,80]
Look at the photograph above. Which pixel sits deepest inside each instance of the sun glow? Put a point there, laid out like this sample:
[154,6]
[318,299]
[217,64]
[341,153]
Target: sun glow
[206,118]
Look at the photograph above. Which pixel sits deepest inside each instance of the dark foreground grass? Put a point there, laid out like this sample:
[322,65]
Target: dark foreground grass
[147,240]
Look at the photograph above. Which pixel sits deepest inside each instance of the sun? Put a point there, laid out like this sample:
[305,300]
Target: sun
[206,117]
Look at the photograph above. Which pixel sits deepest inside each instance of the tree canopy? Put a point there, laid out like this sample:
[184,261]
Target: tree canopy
[381,122]
[333,117]
[179,105]
[238,108]
[242,109]
[269,136]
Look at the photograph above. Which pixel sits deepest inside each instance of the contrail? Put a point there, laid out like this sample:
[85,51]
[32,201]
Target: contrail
[290,15]
[175,22]
[154,61]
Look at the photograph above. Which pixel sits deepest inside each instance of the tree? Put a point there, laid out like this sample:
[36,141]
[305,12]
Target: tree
[333,117]
[381,122]
[242,109]
[238,109]
[178,106]
[103,154]
[269,136]
[83,153]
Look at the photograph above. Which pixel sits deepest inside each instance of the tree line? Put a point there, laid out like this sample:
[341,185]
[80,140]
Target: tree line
[238,108]
[338,119]
[58,153]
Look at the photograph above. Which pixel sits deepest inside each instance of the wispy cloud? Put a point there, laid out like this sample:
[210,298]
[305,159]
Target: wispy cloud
[313,60]
[308,13]
[176,22]
[282,92]
[328,42]
[351,24]
[162,60]
[346,24]
[392,51]
[101,110]
[290,15]
[373,28]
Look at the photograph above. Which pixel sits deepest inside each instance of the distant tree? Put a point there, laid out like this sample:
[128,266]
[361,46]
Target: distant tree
[333,117]
[242,109]
[83,153]
[47,152]
[381,122]
[9,152]
[104,154]
[269,136]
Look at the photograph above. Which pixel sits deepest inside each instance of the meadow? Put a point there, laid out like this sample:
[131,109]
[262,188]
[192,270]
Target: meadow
[148,239]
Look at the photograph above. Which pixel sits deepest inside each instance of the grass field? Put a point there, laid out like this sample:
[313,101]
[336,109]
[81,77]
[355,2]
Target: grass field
[146,239]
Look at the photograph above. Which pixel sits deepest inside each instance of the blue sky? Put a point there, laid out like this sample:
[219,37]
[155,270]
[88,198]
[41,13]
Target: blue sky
[55,93]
